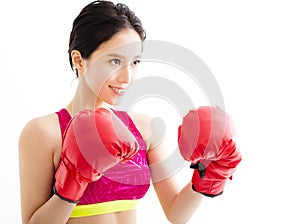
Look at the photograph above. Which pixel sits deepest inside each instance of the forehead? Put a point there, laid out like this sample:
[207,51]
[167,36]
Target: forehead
[126,43]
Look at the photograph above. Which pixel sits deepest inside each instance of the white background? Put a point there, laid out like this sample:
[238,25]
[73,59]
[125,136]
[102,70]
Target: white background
[251,47]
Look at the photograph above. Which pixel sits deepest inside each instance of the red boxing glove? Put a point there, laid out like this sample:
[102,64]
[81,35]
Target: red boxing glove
[94,141]
[207,139]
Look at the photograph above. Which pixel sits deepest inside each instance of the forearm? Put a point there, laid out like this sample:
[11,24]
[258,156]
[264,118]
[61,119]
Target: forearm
[54,210]
[184,205]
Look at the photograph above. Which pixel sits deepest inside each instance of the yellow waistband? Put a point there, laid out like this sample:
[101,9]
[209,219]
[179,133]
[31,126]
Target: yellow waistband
[103,208]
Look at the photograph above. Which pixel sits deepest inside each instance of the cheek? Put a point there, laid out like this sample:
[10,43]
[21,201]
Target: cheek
[97,76]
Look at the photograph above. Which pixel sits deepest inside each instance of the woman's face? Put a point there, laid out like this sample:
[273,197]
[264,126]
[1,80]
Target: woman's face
[113,66]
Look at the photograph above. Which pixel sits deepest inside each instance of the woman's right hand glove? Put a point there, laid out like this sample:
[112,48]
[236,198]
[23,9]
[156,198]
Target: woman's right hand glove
[94,141]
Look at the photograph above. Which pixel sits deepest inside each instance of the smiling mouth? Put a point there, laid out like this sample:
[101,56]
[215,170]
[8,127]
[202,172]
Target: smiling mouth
[117,90]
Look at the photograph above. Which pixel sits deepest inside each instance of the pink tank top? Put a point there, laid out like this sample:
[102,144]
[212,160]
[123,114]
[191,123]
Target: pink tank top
[127,181]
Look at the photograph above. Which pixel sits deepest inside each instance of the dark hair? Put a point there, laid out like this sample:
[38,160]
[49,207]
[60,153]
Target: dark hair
[98,22]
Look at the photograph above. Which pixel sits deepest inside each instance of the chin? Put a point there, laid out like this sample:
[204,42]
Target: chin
[113,102]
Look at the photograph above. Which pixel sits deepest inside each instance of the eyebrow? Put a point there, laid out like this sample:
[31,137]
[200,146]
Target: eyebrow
[122,56]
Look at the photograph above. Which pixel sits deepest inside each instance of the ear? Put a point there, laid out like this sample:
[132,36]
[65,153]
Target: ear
[78,62]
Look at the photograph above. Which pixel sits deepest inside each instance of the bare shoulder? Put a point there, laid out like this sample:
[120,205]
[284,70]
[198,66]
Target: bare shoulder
[143,124]
[140,118]
[151,128]
[41,128]
[41,133]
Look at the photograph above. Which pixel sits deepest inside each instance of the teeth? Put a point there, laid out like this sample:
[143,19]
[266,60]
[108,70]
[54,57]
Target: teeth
[118,90]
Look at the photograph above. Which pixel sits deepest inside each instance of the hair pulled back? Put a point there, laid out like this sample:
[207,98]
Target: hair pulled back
[98,22]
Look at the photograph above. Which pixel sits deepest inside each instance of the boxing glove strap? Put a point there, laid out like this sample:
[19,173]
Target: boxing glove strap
[200,167]
[63,198]
[207,195]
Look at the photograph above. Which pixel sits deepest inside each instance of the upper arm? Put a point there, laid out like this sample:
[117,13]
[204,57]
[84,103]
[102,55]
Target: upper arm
[36,167]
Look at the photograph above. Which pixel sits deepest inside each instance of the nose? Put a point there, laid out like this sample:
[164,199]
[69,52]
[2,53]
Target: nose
[125,75]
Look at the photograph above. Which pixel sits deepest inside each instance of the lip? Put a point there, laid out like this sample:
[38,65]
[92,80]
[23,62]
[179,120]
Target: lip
[117,90]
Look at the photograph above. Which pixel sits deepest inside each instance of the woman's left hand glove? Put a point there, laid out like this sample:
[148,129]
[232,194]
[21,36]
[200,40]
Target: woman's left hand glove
[207,139]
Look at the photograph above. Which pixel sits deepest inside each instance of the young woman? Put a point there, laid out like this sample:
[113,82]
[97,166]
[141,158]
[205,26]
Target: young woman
[104,49]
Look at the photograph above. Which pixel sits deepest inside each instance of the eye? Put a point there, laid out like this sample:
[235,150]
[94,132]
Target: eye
[136,62]
[115,61]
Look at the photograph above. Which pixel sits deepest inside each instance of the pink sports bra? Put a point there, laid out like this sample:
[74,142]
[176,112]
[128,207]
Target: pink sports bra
[121,186]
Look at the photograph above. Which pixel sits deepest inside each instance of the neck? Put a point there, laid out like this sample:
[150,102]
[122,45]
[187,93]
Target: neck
[85,99]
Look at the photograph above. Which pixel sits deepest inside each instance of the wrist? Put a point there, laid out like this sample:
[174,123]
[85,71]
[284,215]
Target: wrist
[206,194]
